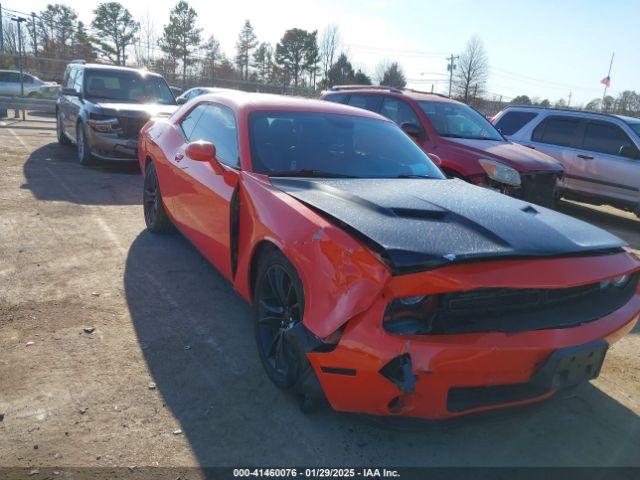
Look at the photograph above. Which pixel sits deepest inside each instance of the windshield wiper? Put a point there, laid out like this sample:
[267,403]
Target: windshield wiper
[309,173]
[410,175]
[453,135]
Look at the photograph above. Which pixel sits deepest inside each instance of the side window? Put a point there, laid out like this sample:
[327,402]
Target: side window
[70,78]
[77,82]
[217,125]
[4,76]
[337,97]
[189,122]
[368,102]
[398,111]
[14,77]
[605,137]
[512,121]
[556,131]
[27,78]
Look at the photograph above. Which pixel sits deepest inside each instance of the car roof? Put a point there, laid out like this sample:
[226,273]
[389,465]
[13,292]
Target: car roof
[99,66]
[570,111]
[416,95]
[266,101]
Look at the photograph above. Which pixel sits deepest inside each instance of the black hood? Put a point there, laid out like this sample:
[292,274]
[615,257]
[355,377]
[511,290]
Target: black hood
[418,224]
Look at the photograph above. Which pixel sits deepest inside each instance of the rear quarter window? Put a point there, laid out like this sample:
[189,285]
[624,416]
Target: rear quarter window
[511,122]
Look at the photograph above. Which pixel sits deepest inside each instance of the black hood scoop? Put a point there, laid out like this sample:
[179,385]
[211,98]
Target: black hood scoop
[419,224]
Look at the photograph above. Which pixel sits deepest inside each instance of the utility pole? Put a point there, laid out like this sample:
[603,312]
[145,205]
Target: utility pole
[451,66]
[1,32]
[35,37]
[569,102]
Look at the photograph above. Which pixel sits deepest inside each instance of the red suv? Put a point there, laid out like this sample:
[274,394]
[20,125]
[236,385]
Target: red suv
[461,140]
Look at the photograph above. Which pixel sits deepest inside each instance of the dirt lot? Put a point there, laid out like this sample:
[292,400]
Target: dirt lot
[74,254]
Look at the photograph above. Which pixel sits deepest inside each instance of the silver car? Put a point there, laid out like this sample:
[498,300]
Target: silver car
[600,152]
[33,86]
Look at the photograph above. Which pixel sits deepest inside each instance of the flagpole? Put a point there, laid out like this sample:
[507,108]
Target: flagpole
[606,84]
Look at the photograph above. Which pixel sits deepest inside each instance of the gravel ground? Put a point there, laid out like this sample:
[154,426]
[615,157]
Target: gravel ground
[169,376]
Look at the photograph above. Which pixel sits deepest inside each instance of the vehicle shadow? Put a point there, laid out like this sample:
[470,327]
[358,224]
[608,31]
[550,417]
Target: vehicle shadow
[196,335]
[52,173]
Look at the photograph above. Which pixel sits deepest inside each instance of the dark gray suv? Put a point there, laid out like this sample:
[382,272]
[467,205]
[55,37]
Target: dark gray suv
[102,108]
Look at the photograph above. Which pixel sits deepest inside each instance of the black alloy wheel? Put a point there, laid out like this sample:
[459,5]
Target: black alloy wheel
[279,302]
[155,216]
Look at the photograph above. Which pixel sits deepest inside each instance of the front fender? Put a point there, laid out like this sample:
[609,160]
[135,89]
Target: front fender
[340,275]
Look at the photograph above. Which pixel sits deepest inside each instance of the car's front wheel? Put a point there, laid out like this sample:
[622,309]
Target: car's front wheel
[279,304]
[62,137]
[155,216]
[83,146]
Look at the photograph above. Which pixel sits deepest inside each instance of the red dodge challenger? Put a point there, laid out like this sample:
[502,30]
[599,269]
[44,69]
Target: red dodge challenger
[379,284]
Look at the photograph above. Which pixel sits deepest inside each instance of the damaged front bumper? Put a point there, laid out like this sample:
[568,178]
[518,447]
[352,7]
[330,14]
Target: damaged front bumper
[375,372]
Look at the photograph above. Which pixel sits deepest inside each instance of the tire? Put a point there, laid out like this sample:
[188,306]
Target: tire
[279,305]
[83,148]
[155,216]
[62,137]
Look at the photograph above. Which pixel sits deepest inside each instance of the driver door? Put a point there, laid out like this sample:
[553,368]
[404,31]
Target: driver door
[202,198]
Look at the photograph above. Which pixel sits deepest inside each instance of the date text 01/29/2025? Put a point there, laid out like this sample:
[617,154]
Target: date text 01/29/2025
[316,472]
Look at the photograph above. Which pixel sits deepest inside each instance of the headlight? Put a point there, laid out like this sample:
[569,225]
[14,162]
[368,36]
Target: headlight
[501,172]
[617,282]
[102,123]
[410,315]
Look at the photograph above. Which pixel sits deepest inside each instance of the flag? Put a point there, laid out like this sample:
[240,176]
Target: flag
[606,81]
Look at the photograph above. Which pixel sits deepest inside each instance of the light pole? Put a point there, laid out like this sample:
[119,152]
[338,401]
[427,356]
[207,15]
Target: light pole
[19,21]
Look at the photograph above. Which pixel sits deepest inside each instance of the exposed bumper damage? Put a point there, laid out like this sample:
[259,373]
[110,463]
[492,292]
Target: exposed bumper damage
[376,372]
[361,366]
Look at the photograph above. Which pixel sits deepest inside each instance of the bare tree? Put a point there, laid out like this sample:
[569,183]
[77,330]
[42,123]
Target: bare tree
[473,70]
[330,43]
[380,70]
[146,41]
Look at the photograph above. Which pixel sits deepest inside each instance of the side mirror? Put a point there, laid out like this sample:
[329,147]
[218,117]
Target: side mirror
[72,92]
[201,151]
[413,130]
[436,159]
[629,151]
[181,100]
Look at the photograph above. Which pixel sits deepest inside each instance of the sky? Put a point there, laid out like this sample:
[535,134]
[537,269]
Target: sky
[544,48]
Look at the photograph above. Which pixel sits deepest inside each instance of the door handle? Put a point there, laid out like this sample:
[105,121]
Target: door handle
[178,157]
[585,157]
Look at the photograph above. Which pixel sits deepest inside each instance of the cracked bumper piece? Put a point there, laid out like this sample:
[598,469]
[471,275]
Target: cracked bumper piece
[446,375]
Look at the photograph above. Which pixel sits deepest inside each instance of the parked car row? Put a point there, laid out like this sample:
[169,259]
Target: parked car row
[600,153]
[380,284]
[12,85]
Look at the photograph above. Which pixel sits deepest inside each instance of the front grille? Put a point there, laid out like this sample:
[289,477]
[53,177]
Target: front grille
[130,126]
[516,310]
[539,188]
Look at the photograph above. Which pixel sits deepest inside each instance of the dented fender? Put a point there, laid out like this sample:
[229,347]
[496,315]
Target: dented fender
[341,276]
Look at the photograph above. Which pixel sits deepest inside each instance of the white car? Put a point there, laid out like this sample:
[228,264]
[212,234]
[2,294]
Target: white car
[33,86]
[600,152]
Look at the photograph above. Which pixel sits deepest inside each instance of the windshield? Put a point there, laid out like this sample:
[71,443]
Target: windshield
[127,86]
[635,126]
[330,145]
[456,120]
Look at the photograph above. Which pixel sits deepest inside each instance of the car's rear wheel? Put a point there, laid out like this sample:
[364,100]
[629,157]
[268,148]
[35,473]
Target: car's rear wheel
[155,216]
[83,146]
[279,303]
[62,137]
